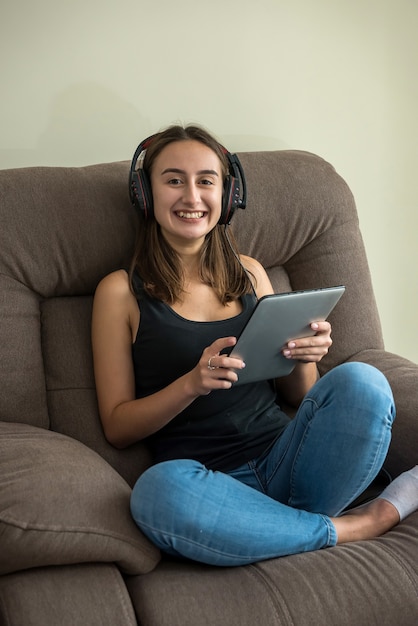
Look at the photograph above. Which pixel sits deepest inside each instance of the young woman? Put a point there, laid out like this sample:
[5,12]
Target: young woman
[234,480]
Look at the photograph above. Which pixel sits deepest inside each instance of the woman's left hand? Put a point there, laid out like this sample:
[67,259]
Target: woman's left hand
[310,349]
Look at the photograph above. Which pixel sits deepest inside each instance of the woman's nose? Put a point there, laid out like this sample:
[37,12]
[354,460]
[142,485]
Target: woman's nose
[191,194]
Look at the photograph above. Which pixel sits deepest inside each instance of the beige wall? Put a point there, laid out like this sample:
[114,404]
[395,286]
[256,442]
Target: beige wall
[84,81]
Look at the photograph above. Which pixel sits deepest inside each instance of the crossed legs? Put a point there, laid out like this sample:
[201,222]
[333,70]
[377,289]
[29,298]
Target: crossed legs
[290,500]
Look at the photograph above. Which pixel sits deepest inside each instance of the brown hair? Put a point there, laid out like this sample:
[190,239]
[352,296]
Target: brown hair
[159,266]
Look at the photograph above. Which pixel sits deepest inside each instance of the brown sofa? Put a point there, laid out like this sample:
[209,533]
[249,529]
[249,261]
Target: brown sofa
[70,554]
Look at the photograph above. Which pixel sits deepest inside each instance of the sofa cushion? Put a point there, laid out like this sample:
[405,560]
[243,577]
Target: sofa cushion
[61,503]
[70,387]
[23,393]
[90,594]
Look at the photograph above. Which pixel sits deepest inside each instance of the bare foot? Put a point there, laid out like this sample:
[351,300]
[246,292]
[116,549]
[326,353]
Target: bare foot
[398,500]
[370,520]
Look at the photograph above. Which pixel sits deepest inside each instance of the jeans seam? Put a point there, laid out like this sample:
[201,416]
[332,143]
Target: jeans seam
[279,462]
[300,446]
[253,466]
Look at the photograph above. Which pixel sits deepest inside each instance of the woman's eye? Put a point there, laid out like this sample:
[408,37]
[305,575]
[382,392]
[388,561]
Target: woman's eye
[174,181]
[206,181]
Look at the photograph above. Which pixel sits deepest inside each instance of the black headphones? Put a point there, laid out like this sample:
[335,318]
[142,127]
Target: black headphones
[140,192]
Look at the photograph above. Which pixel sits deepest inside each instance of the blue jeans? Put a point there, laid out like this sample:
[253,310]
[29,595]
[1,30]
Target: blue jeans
[280,503]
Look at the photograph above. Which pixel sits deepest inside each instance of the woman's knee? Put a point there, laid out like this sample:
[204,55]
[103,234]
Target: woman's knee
[364,385]
[161,487]
[357,370]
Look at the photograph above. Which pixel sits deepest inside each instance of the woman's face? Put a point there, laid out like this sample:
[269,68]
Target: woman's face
[187,186]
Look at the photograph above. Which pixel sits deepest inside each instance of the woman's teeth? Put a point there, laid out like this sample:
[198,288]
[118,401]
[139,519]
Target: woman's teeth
[191,216]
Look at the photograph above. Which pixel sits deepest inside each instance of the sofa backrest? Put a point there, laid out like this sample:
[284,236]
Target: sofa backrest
[63,229]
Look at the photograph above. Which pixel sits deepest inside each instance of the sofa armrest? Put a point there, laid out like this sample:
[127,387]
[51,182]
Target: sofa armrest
[61,503]
[402,375]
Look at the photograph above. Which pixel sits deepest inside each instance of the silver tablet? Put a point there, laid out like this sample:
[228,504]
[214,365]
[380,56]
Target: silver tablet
[277,319]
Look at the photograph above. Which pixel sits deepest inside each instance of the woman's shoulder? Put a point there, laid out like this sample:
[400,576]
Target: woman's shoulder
[115,285]
[251,264]
[259,275]
[118,278]
[115,315]
[254,267]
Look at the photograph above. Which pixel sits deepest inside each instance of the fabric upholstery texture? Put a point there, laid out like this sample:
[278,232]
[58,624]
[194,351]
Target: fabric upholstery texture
[64,505]
[303,589]
[66,596]
[69,551]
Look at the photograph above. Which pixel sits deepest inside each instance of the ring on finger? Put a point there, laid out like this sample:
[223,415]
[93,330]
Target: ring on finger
[210,366]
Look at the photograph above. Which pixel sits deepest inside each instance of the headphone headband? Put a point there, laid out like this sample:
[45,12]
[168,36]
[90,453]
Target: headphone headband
[140,192]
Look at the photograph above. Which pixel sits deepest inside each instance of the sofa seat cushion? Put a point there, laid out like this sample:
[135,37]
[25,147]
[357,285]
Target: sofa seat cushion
[91,594]
[61,503]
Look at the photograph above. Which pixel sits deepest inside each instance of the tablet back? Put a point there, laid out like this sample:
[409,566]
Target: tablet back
[277,319]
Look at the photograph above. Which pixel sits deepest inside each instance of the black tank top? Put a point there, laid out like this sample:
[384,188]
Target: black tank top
[224,429]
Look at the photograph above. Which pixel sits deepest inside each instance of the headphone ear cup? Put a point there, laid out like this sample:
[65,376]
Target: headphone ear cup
[141,193]
[230,199]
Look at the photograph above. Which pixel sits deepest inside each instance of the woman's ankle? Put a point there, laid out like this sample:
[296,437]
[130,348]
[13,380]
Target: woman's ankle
[367,521]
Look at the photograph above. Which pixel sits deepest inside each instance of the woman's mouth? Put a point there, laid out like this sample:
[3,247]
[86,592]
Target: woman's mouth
[190,215]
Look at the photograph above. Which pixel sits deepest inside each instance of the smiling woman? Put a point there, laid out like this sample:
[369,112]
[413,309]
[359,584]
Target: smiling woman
[235,480]
[192,181]
[212,185]
[192,191]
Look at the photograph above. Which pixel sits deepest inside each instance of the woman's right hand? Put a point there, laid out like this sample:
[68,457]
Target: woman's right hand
[215,370]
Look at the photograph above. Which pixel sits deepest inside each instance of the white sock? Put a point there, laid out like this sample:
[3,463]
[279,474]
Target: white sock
[402,492]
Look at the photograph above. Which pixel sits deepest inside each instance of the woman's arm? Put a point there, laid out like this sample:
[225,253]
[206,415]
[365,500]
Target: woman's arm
[126,419]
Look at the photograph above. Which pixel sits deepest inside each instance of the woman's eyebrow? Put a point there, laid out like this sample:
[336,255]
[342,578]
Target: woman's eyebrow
[175,170]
